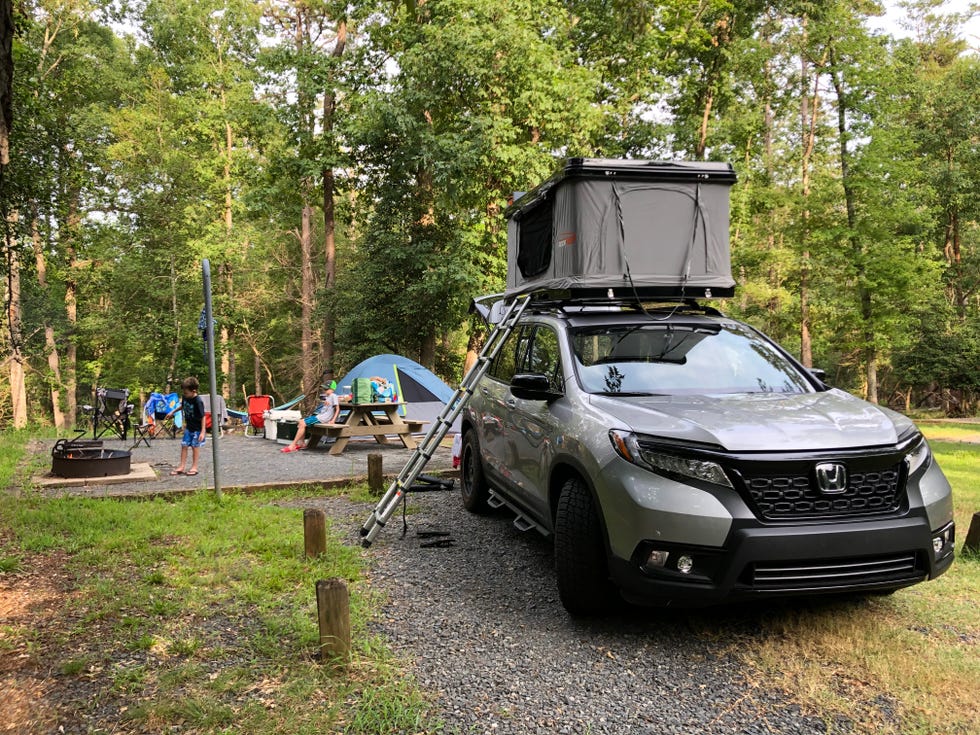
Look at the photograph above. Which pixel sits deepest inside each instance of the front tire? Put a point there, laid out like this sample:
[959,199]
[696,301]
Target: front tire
[473,485]
[580,553]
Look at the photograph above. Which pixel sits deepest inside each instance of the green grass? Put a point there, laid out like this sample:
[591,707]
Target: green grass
[959,431]
[201,613]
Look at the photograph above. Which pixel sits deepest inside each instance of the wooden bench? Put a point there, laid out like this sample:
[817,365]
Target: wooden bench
[379,426]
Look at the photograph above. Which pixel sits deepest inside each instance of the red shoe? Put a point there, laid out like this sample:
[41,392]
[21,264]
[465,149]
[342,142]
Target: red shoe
[287,450]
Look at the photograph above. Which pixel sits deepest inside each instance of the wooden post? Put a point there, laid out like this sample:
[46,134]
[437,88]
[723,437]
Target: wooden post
[376,476]
[314,532]
[333,613]
[972,543]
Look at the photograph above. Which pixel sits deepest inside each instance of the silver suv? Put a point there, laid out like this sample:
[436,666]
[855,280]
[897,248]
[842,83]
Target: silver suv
[678,456]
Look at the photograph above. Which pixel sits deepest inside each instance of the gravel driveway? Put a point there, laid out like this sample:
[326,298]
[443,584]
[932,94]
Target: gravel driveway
[482,625]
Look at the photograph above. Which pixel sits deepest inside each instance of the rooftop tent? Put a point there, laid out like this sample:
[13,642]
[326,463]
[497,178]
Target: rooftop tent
[424,394]
[655,229]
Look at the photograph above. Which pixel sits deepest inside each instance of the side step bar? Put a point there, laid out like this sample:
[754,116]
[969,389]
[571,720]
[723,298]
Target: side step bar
[522,522]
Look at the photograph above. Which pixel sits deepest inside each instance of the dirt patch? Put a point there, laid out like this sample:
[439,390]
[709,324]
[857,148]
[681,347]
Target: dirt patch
[32,603]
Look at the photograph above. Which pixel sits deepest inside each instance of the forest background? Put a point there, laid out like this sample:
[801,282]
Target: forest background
[345,166]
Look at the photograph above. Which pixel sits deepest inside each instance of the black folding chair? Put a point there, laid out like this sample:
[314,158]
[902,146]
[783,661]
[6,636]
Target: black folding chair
[111,412]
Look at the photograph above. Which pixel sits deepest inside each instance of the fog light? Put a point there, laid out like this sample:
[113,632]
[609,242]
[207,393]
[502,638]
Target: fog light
[685,564]
[656,559]
[937,545]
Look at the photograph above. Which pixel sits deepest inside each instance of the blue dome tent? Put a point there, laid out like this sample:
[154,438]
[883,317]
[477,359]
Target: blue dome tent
[424,394]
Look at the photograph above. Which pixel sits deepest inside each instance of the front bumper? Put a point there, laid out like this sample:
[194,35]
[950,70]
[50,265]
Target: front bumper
[769,561]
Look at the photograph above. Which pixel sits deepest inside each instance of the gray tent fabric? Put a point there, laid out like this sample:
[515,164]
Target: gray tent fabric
[624,225]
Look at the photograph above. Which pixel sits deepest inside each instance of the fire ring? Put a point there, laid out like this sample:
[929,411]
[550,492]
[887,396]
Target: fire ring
[81,458]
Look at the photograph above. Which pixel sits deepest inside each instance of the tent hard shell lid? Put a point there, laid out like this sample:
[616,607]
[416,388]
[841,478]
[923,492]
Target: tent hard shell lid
[603,227]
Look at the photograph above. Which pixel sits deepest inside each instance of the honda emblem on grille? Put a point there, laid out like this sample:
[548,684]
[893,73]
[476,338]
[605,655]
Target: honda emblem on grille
[831,478]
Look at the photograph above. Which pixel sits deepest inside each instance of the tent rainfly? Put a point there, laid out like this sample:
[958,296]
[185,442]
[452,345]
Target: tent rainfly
[602,227]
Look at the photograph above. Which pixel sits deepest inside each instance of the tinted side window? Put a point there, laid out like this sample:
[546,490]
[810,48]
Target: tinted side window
[512,353]
[545,358]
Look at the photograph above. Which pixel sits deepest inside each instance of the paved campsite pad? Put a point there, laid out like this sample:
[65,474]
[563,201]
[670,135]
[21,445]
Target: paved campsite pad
[246,464]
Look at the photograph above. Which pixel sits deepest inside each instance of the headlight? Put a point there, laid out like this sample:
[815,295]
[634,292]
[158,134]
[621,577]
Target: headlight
[662,463]
[919,456]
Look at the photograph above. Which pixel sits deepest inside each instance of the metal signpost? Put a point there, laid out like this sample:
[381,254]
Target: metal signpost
[213,384]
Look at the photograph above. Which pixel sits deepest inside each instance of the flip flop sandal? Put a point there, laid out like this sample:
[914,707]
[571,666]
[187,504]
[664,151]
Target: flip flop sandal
[174,473]
[191,473]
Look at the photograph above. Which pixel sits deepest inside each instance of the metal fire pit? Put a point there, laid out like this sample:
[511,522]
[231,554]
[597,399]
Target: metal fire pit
[73,458]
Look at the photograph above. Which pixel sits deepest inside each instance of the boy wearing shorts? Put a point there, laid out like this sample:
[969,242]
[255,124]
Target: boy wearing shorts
[193,409]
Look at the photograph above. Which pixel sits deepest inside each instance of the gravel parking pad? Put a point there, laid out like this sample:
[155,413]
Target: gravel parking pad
[483,625]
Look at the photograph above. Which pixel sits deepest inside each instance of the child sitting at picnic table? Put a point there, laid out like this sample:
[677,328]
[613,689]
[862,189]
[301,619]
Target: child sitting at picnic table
[326,413]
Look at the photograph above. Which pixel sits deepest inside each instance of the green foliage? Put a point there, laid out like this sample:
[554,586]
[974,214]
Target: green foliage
[205,135]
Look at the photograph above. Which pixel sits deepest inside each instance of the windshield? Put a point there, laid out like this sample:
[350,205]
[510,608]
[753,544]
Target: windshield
[672,359]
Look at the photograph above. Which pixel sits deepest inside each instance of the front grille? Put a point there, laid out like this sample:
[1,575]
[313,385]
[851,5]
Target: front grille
[805,575]
[796,497]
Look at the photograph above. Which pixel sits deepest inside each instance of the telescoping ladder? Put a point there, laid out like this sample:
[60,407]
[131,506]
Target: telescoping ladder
[437,432]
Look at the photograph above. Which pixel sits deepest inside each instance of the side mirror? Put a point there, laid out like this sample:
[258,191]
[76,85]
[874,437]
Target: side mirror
[532,387]
[818,373]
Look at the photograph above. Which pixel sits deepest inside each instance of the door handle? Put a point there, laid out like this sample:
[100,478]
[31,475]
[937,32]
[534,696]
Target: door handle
[511,403]
[485,391]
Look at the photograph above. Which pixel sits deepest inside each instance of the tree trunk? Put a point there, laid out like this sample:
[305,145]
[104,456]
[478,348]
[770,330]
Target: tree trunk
[857,247]
[50,346]
[806,340]
[70,365]
[71,350]
[306,299]
[952,245]
[172,368]
[809,112]
[6,81]
[227,348]
[427,353]
[703,130]
[15,360]
[329,211]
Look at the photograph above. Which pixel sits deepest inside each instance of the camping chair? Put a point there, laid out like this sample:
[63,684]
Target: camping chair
[111,412]
[256,407]
[155,411]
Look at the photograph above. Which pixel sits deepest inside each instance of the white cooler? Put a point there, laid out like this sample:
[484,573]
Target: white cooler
[272,419]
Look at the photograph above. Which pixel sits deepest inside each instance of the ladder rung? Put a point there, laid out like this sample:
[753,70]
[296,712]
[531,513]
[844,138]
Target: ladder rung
[423,453]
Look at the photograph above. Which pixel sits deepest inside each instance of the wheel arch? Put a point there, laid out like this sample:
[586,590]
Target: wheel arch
[565,468]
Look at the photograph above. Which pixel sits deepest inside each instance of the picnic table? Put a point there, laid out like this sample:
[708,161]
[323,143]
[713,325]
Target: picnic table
[380,420]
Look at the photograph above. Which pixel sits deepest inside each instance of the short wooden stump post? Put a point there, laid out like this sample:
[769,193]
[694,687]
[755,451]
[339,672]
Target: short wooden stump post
[376,477]
[314,532]
[972,543]
[333,613]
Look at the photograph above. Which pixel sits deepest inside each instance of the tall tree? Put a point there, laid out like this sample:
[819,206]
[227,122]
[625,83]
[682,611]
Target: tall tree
[481,97]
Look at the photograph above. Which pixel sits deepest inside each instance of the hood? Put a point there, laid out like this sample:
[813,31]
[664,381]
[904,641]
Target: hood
[756,422]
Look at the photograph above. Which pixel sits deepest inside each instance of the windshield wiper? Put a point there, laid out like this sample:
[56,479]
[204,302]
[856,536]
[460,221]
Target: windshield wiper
[628,393]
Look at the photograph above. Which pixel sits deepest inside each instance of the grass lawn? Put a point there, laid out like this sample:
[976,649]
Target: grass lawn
[191,616]
[951,431]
